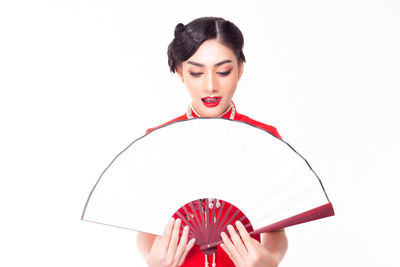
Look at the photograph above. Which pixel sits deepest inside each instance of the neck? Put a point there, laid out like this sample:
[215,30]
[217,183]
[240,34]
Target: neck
[229,113]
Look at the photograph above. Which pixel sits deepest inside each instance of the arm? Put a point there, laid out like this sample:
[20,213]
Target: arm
[144,242]
[276,243]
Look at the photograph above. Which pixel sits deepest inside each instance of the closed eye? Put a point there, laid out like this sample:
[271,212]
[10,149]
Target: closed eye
[197,74]
[226,73]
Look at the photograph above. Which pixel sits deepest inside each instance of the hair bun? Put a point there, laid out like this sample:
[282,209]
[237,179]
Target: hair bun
[179,29]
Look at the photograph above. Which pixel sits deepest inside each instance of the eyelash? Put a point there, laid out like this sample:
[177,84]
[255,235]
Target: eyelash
[197,74]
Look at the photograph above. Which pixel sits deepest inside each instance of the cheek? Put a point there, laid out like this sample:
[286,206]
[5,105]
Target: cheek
[231,92]
[193,88]
[231,86]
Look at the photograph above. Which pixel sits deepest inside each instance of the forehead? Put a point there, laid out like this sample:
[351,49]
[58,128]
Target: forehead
[211,52]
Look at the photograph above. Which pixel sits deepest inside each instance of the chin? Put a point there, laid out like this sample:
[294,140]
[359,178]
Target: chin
[210,113]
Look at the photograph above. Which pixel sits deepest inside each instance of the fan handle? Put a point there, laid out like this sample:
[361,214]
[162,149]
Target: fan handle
[310,215]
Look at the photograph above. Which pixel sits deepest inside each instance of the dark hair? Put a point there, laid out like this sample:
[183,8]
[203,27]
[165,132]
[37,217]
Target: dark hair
[188,39]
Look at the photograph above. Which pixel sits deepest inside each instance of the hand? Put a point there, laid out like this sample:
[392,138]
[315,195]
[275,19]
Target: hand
[165,251]
[249,254]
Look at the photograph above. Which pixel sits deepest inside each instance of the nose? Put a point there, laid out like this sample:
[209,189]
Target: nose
[212,84]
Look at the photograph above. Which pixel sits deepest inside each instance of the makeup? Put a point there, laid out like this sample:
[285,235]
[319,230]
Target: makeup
[211,101]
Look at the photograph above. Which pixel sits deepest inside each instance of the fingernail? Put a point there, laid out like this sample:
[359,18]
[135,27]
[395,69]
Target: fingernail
[230,227]
[193,240]
[237,222]
[186,227]
[172,219]
[178,220]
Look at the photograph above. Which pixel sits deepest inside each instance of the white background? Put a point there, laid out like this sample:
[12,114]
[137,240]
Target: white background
[80,80]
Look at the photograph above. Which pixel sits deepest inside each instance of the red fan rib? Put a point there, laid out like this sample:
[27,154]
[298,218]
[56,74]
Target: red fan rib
[206,225]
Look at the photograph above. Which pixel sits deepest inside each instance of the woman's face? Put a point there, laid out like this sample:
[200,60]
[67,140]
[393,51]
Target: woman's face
[211,75]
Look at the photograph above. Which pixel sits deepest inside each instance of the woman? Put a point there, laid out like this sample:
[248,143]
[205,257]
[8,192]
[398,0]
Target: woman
[207,56]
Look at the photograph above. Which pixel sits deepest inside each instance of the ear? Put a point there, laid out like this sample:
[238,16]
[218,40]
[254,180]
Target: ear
[241,67]
[178,70]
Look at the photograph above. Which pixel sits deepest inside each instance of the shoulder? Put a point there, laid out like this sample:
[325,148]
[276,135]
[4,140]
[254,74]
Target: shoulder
[269,128]
[180,118]
[238,116]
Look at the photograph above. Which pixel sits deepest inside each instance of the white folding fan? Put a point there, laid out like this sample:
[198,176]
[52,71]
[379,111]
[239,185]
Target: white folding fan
[209,172]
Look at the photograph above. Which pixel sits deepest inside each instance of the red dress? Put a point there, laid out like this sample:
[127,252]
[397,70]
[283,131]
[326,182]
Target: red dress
[195,257]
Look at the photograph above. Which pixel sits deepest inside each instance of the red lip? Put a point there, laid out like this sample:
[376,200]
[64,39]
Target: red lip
[211,101]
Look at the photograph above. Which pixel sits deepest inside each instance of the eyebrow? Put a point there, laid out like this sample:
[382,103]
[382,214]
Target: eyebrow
[216,65]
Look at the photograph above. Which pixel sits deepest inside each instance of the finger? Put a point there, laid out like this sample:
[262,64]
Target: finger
[182,244]
[237,241]
[167,233]
[174,239]
[188,248]
[247,239]
[230,255]
[227,252]
[230,248]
